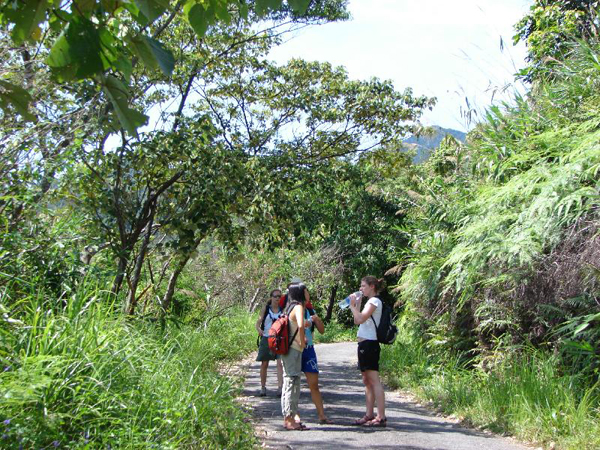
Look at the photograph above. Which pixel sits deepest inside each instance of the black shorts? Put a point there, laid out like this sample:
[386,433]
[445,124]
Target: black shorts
[368,355]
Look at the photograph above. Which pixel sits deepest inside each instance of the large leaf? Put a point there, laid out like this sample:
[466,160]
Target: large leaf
[152,9]
[27,16]
[129,118]
[77,53]
[199,17]
[222,12]
[153,53]
[299,6]
[163,56]
[264,6]
[84,7]
[17,97]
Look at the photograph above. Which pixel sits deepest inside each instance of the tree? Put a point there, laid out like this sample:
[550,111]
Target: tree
[550,27]
[75,127]
[98,39]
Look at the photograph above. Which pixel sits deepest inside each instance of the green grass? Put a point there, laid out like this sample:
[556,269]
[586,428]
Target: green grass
[84,377]
[524,394]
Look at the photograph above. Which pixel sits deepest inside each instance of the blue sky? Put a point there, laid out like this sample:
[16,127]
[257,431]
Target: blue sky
[446,49]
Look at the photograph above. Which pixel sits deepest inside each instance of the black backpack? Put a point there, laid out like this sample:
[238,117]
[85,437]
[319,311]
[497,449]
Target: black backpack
[387,329]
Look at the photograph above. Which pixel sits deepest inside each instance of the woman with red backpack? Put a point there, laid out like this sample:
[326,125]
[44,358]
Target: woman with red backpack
[292,360]
[270,312]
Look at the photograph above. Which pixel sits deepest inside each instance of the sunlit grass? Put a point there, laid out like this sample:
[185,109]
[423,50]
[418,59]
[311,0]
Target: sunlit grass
[526,395]
[85,377]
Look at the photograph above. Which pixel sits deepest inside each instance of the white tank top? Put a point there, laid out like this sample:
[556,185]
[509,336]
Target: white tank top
[271,317]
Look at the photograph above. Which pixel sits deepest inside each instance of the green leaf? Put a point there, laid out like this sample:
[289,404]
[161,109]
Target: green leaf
[17,97]
[580,328]
[199,17]
[299,6]
[244,10]
[84,7]
[77,53]
[163,56]
[140,48]
[222,13]
[264,6]
[117,93]
[152,9]
[153,53]
[124,66]
[26,16]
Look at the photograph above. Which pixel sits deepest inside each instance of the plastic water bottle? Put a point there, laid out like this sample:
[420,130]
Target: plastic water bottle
[346,302]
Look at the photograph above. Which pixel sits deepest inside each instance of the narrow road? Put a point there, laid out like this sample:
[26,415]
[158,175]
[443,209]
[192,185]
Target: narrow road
[409,426]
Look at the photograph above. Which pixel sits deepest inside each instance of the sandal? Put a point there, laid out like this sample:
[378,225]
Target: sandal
[326,421]
[364,419]
[299,427]
[376,423]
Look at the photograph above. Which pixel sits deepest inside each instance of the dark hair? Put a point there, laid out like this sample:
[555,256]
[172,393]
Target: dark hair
[296,292]
[377,283]
[274,290]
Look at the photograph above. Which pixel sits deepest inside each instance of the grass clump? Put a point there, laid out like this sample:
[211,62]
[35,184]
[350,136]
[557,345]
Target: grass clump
[525,392]
[85,377]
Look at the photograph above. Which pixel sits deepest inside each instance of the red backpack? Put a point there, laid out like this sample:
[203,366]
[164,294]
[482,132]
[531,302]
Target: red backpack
[279,333]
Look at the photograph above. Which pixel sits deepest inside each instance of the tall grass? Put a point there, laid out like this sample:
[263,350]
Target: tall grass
[85,377]
[524,393]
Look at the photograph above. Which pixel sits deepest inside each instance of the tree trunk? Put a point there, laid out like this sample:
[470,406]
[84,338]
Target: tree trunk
[122,267]
[253,302]
[168,297]
[132,301]
[330,305]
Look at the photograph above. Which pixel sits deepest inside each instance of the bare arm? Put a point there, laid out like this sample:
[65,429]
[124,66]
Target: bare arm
[259,321]
[318,323]
[361,317]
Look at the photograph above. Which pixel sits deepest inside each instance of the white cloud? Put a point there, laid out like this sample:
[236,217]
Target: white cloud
[447,49]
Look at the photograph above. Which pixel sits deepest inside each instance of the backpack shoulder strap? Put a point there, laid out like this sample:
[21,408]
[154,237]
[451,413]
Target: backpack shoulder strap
[289,307]
[267,308]
[381,317]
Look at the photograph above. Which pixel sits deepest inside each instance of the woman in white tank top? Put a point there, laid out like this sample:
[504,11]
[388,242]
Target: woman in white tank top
[368,350]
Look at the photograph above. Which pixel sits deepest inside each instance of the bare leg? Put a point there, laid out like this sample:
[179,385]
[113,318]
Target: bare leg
[378,395]
[369,393]
[264,365]
[313,383]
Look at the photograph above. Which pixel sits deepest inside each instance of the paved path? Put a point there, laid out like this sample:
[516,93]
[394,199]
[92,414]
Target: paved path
[409,427]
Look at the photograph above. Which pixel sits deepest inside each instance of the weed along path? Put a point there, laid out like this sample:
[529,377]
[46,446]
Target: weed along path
[409,426]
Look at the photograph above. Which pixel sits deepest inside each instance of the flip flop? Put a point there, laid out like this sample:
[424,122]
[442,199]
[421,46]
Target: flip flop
[376,423]
[326,421]
[364,419]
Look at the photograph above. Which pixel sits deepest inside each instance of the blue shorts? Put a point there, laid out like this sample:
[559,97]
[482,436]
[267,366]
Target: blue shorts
[309,360]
